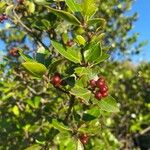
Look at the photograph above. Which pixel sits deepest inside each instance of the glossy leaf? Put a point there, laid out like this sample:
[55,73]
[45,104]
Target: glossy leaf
[103,57]
[81,92]
[60,126]
[93,53]
[70,54]
[35,69]
[73,6]
[88,8]
[65,15]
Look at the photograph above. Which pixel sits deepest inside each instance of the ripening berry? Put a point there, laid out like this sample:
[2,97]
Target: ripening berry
[100,83]
[69,43]
[84,141]
[92,83]
[98,95]
[103,88]
[14,52]
[56,80]
[105,94]
[84,138]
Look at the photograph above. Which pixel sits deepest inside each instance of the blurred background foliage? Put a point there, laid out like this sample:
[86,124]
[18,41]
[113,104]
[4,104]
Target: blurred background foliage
[27,105]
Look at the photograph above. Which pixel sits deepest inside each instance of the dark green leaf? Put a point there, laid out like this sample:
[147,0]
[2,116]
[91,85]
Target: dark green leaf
[65,15]
[25,57]
[70,54]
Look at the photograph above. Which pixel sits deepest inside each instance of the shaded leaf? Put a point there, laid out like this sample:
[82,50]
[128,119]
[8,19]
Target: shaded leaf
[65,15]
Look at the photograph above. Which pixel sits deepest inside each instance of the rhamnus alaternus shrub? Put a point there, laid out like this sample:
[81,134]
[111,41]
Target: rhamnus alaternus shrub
[69,65]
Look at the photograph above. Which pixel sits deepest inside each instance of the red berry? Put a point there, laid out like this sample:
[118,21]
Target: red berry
[100,83]
[98,95]
[92,83]
[105,94]
[69,43]
[104,89]
[56,80]
[84,138]
[84,141]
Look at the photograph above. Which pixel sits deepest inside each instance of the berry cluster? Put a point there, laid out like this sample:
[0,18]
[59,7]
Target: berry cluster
[100,84]
[56,80]
[84,138]
[14,52]
[3,17]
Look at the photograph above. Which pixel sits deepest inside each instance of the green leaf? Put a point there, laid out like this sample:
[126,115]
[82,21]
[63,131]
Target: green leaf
[98,38]
[88,8]
[60,126]
[81,92]
[80,40]
[80,71]
[53,65]
[30,6]
[100,21]
[108,104]
[35,69]
[91,114]
[2,5]
[25,57]
[70,54]
[73,6]
[103,57]
[15,110]
[34,147]
[93,53]
[65,15]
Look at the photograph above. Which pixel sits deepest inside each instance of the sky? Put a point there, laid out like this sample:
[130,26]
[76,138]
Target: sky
[142,26]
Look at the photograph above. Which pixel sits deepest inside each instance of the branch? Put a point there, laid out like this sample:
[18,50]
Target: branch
[34,36]
[71,103]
